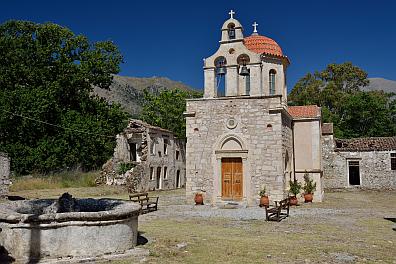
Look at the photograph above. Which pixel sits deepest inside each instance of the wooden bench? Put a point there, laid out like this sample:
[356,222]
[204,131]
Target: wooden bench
[147,204]
[279,211]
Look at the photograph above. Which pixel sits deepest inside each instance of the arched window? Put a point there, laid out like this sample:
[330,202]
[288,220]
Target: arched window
[231,31]
[272,74]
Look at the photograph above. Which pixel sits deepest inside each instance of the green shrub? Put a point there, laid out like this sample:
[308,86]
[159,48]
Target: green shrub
[295,187]
[309,184]
[124,167]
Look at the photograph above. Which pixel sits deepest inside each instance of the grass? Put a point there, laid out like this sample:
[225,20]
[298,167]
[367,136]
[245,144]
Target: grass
[54,181]
[356,229]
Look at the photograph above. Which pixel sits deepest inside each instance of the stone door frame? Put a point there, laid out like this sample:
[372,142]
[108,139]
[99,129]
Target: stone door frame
[246,178]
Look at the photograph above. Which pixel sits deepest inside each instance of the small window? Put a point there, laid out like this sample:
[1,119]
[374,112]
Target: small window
[132,151]
[165,172]
[166,143]
[151,173]
[178,179]
[152,146]
[393,161]
[272,74]
[354,172]
[158,183]
[177,154]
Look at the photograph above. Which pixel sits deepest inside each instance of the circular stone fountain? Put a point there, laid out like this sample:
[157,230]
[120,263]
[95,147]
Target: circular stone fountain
[67,227]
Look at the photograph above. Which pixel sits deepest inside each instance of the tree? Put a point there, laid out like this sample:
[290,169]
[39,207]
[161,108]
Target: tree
[353,112]
[49,120]
[166,109]
[367,114]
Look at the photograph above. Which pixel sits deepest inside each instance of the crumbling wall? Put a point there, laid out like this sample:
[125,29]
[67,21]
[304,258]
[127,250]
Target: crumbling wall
[4,174]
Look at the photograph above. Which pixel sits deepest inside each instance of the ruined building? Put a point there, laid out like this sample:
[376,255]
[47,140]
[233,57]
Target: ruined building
[4,174]
[146,158]
[242,135]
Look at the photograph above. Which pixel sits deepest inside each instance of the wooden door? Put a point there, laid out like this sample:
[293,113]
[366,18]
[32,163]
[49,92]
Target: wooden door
[231,178]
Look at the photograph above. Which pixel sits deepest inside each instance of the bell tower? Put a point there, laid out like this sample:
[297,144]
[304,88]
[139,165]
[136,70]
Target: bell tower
[245,66]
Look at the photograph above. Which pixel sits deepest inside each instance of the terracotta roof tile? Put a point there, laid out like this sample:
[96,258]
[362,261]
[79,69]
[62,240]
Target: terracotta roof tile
[261,44]
[305,111]
[366,144]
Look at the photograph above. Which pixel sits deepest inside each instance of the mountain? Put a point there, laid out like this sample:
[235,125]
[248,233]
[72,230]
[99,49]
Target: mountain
[381,84]
[128,91]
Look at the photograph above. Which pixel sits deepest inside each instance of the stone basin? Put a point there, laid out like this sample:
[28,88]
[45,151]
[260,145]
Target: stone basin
[33,230]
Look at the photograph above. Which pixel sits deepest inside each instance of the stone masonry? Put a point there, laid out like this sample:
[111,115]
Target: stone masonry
[374,162]
[263,137]
[4,174]
[154,159]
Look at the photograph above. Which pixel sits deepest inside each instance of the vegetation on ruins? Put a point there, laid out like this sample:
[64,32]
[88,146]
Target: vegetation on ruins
[166,109]
[49,119]
[355,113]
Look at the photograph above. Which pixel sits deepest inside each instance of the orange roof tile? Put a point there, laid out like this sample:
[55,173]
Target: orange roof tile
[305,111]
[261,44]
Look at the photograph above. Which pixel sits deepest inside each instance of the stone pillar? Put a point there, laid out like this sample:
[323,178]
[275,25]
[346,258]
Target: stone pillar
[255,80]
[232,81]
[210,90]
[4,174]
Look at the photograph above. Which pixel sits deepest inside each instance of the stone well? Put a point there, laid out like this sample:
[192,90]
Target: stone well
[41,229]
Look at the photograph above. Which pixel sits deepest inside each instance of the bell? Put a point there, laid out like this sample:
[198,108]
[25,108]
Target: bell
[221,71]
[244,71]
[231,33]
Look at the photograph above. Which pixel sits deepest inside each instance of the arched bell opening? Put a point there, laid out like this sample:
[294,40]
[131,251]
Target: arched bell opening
[231,31]
[221,71]
[243,60]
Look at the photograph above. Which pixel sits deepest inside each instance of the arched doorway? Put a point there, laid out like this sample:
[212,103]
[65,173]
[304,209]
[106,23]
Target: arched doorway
[231,169]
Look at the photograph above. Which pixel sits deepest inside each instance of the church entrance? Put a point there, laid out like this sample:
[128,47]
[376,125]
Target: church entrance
[231,178]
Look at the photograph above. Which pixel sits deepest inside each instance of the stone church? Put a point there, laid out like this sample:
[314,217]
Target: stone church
[241,135]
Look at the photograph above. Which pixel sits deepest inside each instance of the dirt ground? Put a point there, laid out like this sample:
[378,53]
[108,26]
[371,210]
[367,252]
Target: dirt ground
[348,227]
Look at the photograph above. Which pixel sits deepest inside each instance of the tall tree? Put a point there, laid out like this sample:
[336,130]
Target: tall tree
[166,109]
[354,113]
[49,120]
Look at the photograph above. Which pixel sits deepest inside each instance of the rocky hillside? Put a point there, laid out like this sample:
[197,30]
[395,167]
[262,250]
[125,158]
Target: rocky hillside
[388,86]
[128,91]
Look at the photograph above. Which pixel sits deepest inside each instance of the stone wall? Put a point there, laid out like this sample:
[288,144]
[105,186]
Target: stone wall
[375,167]
[256,125]
[4,174]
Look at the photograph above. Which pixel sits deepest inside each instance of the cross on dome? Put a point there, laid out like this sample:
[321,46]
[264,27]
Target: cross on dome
[255,27]
[231,13]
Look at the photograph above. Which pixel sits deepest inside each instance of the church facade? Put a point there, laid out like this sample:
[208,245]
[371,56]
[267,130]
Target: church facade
[241,135]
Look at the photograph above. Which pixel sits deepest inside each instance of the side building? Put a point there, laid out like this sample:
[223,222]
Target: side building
[368,163]
[146,158]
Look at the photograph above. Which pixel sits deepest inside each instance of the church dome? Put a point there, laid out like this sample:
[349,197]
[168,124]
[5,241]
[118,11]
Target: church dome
[261,44]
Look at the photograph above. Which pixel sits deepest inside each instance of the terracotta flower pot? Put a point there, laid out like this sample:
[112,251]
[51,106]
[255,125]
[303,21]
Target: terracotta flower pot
[293,200]
[198,199]
[264,201]
[308,197]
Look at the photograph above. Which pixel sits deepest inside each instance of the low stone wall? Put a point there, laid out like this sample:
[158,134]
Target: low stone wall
[4,174]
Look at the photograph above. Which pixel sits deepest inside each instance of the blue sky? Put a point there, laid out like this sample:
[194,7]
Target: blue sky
[170,38]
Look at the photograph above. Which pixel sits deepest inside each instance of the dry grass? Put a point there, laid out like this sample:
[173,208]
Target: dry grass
[54,181]
[355,233]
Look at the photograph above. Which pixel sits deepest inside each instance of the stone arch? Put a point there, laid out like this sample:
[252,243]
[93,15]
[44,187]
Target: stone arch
[231,142]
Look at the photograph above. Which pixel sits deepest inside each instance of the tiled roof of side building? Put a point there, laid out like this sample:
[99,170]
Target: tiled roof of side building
[305,111]
[366,144]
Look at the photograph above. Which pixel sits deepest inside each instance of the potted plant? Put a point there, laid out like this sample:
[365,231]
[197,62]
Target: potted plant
[309,188]
[295,188]
[198,199]
[264,200]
